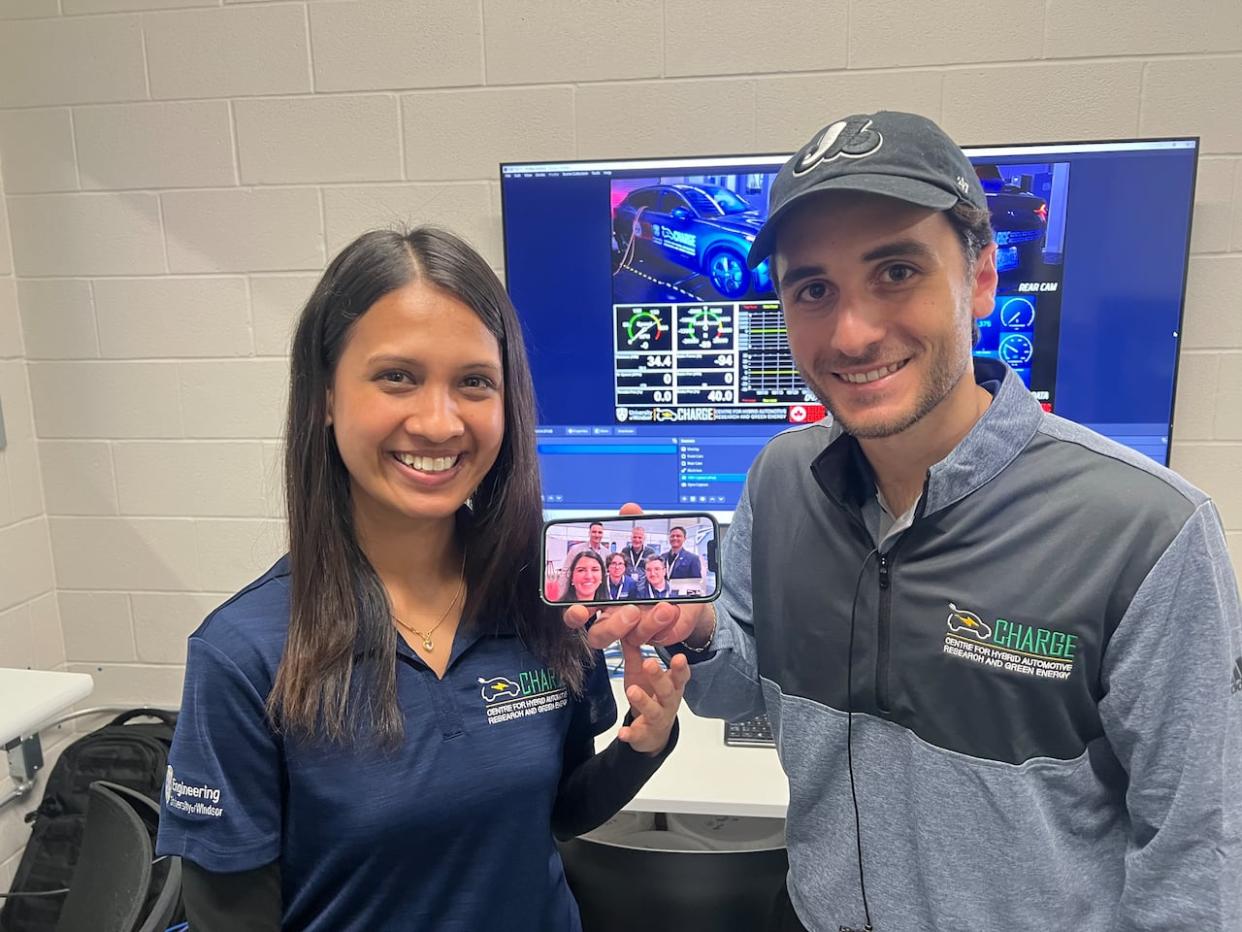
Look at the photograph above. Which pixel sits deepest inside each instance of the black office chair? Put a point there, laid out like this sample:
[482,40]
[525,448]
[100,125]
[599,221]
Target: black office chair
[683,891]
[164,893]
[115,886]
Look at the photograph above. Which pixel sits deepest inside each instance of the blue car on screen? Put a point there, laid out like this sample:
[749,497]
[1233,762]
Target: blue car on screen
[1019,219]
[705,228]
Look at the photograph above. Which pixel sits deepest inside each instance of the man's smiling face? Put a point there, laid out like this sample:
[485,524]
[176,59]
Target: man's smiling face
[878,304]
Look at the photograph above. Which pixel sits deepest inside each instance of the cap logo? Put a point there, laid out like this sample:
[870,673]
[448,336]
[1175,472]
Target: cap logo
[850,139]
[962,184]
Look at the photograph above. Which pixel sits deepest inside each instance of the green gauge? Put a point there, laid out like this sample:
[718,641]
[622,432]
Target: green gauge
[704,323]
[643,326]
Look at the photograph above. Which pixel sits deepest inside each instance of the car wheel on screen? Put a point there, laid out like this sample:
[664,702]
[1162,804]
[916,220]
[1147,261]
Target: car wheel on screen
[728,273]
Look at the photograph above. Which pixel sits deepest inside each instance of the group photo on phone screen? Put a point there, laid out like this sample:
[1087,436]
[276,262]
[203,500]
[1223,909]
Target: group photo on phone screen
[645,558]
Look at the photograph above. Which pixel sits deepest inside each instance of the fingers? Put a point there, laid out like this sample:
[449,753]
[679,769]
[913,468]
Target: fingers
[632,654]
[614,624]
[606,625]
[667,623]
[679,672]
[657,703]
[577,615]
[660,624]
[644,705]
[655,711]
[662,684]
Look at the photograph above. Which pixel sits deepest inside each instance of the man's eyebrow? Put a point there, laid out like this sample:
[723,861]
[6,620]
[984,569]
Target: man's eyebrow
[904,248]
[795,275]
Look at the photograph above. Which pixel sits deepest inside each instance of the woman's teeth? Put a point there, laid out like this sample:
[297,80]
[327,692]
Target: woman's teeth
[427,463]
[859,378]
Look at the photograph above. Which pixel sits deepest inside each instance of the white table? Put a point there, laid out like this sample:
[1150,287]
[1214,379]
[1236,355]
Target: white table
[28,700]
[704,776]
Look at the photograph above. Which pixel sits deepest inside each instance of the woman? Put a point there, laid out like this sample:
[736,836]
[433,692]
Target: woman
[386,729]
[585,579]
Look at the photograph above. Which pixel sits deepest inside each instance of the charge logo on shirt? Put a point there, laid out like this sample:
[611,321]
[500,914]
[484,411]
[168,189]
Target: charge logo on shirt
[1008,645]
[532,692]
[191,798]
[499,687]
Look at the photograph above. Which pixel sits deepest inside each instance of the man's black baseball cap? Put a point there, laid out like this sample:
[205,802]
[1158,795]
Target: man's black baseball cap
[898,155]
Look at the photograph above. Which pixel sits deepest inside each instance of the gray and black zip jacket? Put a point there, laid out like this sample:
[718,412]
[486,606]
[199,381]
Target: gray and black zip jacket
[1044,682]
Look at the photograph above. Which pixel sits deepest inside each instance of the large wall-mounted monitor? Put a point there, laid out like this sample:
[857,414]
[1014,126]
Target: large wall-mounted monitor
[660,361]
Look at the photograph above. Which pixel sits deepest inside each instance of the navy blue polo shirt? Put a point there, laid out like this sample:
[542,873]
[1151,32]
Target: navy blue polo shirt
[451,831]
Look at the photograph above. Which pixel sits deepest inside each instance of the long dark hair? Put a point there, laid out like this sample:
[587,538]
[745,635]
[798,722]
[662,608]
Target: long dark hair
[337,677]
[601,591]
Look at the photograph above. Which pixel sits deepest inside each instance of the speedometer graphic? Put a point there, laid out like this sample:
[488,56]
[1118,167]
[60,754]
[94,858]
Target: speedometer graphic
[1016,349]
[643,329]
[1017,313]
[702,324]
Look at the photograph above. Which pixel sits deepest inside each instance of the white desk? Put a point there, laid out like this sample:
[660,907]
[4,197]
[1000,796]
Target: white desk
[30,699]
[704,776]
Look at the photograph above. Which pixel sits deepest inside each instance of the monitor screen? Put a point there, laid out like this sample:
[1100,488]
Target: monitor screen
[660,360]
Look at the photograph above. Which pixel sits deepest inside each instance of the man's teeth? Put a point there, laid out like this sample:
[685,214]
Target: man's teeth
[860,377]
[428,463]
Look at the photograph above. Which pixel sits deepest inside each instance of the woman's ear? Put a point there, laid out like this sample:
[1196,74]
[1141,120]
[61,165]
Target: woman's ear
[327,420]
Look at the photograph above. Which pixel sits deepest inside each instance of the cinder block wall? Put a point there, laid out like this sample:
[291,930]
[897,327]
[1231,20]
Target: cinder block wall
[30,632]
[176,172]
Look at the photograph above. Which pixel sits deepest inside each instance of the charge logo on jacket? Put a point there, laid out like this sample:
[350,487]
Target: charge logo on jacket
[968,623]
[531,693]
[1008,645]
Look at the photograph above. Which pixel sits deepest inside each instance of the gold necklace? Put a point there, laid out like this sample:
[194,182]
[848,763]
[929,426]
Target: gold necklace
[428,645]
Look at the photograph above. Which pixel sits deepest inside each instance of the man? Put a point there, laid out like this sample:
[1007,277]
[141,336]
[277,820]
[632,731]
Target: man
[1007,693]
[636,553]
[594,543]
[682,564]
[620,586]
[654,584]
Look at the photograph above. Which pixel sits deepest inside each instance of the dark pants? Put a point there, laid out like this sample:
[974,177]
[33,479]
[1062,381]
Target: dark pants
[784,919]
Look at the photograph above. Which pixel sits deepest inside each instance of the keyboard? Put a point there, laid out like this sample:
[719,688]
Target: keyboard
[750,733]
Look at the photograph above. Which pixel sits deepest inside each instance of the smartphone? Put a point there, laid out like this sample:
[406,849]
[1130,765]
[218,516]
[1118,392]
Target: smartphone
[637,558]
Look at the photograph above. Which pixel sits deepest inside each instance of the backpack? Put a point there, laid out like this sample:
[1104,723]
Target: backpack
[135,756]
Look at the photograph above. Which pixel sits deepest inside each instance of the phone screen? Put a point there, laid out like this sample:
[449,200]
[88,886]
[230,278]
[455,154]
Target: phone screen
[638,558]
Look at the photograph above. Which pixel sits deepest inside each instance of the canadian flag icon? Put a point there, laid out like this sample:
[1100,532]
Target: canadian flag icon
[805,414]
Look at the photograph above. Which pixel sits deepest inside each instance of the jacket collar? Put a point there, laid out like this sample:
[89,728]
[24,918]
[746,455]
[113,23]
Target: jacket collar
[1003,431]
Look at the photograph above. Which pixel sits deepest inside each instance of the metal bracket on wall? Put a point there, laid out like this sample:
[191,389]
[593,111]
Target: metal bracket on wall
[25,762]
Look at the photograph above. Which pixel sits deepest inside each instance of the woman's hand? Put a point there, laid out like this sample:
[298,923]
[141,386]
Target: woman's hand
[655,695]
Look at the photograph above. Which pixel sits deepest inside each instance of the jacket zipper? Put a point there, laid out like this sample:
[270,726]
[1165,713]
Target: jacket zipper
[884,633]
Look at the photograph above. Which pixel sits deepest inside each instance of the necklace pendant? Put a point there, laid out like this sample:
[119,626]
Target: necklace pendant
[427,644]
